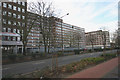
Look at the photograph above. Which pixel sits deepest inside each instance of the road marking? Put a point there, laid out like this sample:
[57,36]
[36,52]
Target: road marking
[4,68]
[39,63]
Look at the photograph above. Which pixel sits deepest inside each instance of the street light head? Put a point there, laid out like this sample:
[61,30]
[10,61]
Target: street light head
[67,13]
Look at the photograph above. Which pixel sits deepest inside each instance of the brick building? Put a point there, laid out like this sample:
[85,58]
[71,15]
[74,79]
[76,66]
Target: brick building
[13,21]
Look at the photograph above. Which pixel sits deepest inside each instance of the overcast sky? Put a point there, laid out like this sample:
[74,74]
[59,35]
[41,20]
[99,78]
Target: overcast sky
[89,14]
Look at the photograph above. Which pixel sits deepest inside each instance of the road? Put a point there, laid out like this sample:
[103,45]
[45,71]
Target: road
[26,67]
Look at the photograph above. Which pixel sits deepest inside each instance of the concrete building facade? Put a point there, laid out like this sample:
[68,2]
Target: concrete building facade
[100,38]
[62,35]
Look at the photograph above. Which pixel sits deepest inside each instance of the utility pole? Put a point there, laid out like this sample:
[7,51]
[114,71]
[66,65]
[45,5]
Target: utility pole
[54,56]
[62,32]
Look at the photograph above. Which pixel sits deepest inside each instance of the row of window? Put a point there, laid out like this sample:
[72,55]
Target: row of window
[14,7]
[10,30]
[9,38]
[19,2]
[14,23]
[14,15]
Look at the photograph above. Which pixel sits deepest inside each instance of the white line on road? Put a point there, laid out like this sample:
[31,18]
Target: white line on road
[39,63]
[4,68]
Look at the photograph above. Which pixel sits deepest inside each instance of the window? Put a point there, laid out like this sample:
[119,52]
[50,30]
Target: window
[14,7]
[14,38]
[19,9]
[23,17]
[9,22]
[19,2]
[14,23]
[4,5]
[14,30]
[14,15]
[3,38]
[0,3]
[9,38]
[10,0]
[15,1]
[9,6]
[23,10]
[9,30]
[9,14]
[19,16]
[18,31]
[4,21]
[23,3]
[23,24]
[4,12]
[18,38]
[4,30]
[19,24]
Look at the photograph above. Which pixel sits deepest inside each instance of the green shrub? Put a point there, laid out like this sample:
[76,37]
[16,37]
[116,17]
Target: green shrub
[108,55]
[99,59]
[69,67]
[94,60]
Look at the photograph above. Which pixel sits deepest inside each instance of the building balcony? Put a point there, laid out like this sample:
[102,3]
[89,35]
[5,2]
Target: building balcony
[12,43]
[9,34]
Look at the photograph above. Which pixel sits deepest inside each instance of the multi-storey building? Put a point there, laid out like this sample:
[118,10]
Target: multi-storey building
[61,35]
[13,21]
[69,35]
[100,38]
[15,17]
[34,36]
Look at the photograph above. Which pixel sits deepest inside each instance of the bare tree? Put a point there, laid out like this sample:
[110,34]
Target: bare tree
[104,39]
[24,31]
[46,25]
[45,10]
[105,35]
[77,37]
[70,38]
[91,38]
[114,39]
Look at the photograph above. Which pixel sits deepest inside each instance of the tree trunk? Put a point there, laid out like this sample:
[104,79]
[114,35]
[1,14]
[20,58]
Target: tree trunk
[24,49]
[78,46]
[45,46]
[92,47]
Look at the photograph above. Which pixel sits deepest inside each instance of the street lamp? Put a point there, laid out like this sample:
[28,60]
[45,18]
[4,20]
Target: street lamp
[62,32]
[73,35]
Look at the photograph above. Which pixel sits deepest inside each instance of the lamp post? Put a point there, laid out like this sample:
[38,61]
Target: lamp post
[62,32]
[54,57]
[73,35]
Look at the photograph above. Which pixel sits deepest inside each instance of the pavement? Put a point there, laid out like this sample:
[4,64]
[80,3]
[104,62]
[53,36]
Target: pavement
[27,67]
[108,69]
